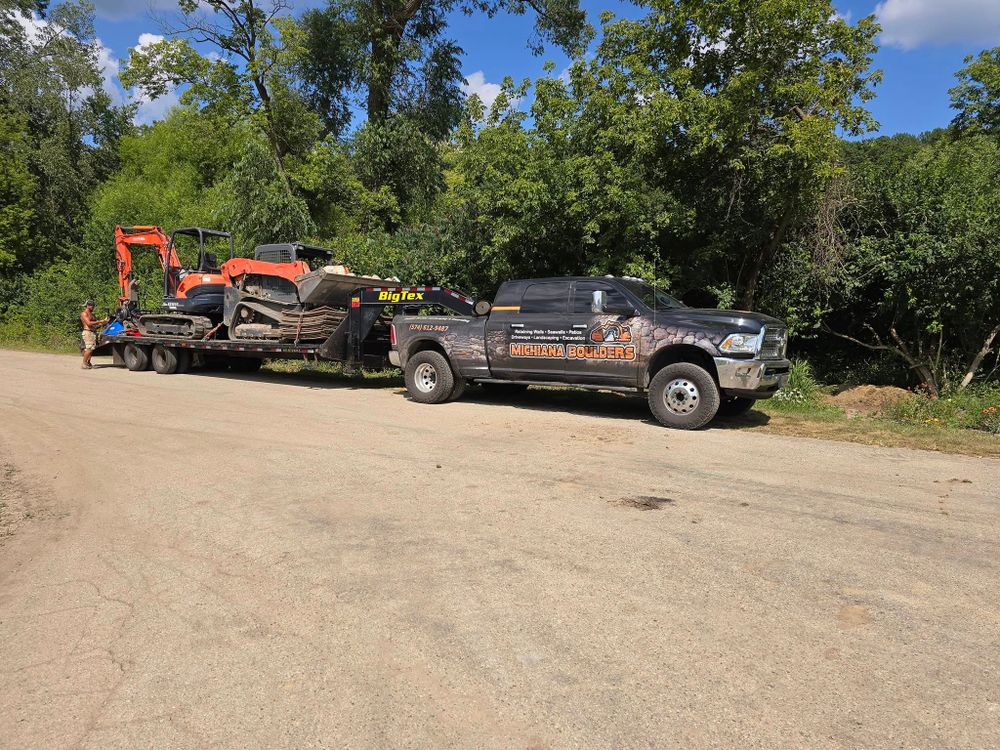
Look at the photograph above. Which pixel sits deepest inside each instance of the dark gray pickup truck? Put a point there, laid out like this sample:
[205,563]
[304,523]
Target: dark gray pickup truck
[602,333]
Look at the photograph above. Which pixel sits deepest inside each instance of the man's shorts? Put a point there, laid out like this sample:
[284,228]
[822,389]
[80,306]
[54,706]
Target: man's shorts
[89,341]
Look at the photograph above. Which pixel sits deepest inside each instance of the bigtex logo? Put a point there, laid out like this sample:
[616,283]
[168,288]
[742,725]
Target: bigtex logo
[400,296]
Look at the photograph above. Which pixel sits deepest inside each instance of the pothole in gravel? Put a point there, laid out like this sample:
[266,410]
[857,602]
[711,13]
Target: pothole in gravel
[643,502]
[19,502]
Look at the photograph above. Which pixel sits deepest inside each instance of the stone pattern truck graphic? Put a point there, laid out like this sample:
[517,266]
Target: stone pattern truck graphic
[620,346]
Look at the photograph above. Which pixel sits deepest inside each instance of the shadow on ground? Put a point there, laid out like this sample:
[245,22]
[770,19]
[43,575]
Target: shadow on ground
[599,404]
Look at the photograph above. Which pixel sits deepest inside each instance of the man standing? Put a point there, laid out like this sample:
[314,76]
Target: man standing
[90,326]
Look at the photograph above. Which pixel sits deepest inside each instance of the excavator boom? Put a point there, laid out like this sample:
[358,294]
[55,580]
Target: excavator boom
[125,238]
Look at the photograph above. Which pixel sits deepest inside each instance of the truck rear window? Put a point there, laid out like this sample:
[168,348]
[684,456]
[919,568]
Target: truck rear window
[546,297]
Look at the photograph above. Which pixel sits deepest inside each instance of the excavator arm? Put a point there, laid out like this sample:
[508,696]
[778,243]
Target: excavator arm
[125,238]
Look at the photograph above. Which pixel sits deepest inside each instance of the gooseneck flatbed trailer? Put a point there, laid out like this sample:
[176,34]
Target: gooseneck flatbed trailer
[362,340]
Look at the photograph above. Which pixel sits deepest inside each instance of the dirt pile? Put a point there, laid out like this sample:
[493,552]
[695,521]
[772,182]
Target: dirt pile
[865,399]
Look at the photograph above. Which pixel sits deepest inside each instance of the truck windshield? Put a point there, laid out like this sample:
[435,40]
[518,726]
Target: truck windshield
[654,299]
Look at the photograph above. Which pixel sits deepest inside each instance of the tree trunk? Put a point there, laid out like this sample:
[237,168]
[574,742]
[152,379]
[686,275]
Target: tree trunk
[763,258]
[977,361]
[277,152]
[388,27]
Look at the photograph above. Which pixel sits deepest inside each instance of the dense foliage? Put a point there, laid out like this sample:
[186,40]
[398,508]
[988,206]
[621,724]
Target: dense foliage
[713,146]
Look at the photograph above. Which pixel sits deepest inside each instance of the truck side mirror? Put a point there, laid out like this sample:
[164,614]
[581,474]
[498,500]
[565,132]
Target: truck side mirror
[598,301]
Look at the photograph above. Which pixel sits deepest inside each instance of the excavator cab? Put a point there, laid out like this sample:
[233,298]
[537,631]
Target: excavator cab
[199,289]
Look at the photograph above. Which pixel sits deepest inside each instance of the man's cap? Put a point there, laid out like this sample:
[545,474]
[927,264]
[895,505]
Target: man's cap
[89,303]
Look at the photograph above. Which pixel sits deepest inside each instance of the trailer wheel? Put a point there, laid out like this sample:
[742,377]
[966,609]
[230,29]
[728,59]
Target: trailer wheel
[136,357]
[183,360]
[165,360]
[683,395]
[244,364]
[429,378]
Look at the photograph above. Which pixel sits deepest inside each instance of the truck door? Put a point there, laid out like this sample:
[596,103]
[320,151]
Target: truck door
[528,342]
[606,346]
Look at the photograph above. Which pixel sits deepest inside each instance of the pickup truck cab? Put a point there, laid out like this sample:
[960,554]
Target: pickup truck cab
[603,333]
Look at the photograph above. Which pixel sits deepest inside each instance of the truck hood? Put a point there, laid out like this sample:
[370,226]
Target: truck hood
[730,321]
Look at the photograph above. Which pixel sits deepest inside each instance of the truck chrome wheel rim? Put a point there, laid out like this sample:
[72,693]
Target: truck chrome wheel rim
[425,378]
[681,397]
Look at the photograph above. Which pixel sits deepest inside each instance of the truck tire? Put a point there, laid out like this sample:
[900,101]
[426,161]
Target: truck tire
[735,405]
[683,395]
[245,364]
[458,389]
[429,378]
[165,360]
[136,357]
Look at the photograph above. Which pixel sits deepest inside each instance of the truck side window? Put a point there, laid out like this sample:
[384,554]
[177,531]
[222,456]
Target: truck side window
[585,292]
[547,297]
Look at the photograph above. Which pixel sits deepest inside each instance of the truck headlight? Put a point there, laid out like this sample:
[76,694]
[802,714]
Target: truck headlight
[741,343]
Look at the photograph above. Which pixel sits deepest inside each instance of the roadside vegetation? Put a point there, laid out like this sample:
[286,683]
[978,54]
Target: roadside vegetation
[696,144]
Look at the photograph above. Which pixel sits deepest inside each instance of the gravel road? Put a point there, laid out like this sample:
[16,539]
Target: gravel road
[276,561]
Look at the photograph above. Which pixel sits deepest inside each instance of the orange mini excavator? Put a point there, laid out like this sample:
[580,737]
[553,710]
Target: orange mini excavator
[192,297]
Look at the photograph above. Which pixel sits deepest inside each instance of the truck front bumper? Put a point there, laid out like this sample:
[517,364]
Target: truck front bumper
[752,378]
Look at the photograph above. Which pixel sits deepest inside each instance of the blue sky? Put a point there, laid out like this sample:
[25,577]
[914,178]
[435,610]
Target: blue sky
[922,45]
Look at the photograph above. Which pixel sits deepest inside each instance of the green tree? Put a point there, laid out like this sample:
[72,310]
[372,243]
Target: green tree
[397,53]
[251,78]
[59,130]
[699,136]
[977,95]
[918,273]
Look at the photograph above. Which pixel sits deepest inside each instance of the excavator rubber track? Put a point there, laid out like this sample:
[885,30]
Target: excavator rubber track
[175,325]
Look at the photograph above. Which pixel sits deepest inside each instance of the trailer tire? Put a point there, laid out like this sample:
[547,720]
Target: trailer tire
[684,396]
[183,360]
[429,378]
[165,360]
[245,364]
[136,357]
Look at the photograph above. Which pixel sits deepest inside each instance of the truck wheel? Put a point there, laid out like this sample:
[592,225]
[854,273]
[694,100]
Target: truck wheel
[136,357]
[165,360]
[683,395]
[429,378]
[458,389]
[244,364]
[735,405]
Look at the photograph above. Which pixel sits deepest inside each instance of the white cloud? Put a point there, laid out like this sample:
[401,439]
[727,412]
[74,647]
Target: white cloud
[910,23]
[151,110]
[476,83]
[109,66]
[148,40]
[34,29]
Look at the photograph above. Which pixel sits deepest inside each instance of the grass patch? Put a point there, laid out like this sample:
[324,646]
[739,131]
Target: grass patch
[976,408]
[36,337]
[880,432]
[334,372]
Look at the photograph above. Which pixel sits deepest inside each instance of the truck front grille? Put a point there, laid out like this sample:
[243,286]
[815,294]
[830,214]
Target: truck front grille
[774,344]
